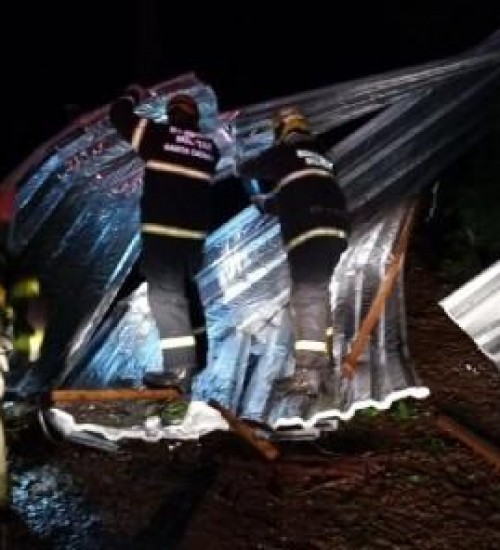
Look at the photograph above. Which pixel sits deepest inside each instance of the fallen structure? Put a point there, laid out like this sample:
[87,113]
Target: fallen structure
[475,308]
[78,223]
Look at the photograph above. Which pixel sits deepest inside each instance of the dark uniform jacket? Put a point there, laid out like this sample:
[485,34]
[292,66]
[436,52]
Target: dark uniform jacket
[304,185]
[180,165]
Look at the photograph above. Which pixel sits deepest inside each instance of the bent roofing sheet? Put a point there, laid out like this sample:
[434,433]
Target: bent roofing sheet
[475,308]
[78,223]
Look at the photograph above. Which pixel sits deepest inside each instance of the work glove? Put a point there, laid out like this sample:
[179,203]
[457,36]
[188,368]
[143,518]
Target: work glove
[267,204]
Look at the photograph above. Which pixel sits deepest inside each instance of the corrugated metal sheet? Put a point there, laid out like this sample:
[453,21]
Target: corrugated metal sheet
[475,308]
[247,303]
[78,223]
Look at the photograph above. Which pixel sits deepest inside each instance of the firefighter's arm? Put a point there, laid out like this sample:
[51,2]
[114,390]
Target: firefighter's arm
[267,204]
[121,113]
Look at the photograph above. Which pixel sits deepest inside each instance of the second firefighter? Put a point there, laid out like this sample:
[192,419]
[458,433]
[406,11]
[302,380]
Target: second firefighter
[303,192]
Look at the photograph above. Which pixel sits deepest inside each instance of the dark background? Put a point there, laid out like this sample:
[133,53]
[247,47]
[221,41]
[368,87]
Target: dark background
[55,57]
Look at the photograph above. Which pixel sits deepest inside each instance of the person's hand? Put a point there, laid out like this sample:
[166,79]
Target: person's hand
[266,203]
[259,201]
[263,202]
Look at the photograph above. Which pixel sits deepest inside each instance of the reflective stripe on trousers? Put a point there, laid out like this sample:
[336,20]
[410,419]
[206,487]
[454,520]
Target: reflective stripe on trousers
[169,266]
[310,345]
[177,342]
[30,344]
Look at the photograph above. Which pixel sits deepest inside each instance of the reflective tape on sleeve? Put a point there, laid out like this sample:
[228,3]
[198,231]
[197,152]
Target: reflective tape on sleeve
[172,168]
[299,174]
[30,344]
[315,233]
[138,134]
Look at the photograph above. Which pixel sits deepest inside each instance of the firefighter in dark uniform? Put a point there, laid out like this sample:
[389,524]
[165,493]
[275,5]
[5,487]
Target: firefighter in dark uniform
[180,164]
[301,189]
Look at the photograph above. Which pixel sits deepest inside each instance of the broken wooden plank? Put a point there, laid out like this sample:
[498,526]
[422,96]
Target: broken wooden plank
[121,394]
[350,361]
[266,448]
[242,429]
[478,445]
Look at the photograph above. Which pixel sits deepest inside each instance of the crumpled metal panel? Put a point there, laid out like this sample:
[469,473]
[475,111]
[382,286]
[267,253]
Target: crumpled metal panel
[428,132]
[245,289]
[250,332]
[77,221]
[475,308]
[334,105]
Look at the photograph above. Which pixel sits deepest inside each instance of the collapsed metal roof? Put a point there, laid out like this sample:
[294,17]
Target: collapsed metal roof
[77,221]
[475,308]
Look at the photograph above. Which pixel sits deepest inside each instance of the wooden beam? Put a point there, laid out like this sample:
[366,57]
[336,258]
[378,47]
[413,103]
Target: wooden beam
[350,361]
[481,447]
[241,428]
[121,394]
[264,447]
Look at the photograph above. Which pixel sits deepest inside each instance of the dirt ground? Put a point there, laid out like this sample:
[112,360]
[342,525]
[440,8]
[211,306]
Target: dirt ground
[384,480]
[391,480]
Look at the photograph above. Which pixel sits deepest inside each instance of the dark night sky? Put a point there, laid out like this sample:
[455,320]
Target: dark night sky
[84,54]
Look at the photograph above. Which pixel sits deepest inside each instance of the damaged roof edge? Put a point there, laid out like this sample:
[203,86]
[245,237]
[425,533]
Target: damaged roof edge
[475,308]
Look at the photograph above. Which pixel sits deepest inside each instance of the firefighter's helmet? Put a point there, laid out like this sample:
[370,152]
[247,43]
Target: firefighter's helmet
[288,122]
[183,105]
